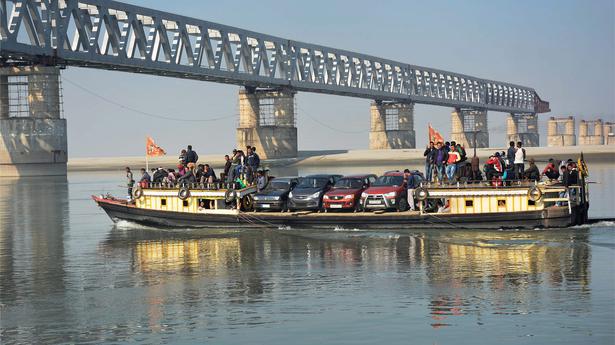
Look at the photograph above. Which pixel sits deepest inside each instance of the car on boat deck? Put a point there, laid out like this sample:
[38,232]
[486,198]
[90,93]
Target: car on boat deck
[346,192]
[275,196]
[308,193]
[389,191]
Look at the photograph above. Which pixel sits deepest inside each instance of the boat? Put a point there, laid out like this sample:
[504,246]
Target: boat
[522,205]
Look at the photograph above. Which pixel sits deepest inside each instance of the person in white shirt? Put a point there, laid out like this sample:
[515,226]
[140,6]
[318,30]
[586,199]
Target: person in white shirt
[519,161]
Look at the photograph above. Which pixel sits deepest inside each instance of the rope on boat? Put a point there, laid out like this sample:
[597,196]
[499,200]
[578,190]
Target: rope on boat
[447,222]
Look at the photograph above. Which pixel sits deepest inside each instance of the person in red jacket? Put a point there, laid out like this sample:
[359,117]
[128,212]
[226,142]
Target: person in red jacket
[493,167]
[550,170]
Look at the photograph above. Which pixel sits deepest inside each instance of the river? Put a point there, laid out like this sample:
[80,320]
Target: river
[68,275]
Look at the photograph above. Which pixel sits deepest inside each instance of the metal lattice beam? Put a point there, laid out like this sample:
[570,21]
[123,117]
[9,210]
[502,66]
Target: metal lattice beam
[118,36]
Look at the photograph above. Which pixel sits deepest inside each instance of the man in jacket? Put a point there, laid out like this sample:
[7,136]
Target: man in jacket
[429,153]
[191,155]
[440,160]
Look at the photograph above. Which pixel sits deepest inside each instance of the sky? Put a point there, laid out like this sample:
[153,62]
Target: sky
[563,49]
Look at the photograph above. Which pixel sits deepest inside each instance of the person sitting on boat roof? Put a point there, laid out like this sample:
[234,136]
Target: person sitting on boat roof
[159,175]
[182,157]
[209,175]
[189,177]
[181,171]
[550,171]
[191,155]
[145,179]
[170,178]
[532,173]
[493,167]
[199,172]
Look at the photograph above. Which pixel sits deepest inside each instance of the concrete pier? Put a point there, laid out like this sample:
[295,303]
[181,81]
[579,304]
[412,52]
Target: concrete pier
[464,124]
[609,133]
[591,132]
[561,131]
[392,126]
[267,121]
[523,128]
[32,132]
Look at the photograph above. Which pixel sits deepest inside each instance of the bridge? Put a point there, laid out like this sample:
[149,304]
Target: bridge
[39,36]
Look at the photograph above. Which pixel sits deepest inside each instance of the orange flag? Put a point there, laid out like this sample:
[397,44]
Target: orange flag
[434,135]
[153,150]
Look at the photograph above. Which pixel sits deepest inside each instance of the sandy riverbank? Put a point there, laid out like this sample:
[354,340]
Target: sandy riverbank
[595,153]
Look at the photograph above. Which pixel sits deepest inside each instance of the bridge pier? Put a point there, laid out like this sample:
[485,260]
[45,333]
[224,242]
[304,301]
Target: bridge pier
[523,128]
[392,126]
[594,136]
[466,123]
[267,121]
[560,132]
[32,132]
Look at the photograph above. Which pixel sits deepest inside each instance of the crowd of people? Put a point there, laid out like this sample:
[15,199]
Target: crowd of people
[240,167]
[448,163]
[444,163]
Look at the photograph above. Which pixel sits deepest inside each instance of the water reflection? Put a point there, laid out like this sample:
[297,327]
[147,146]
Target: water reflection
[467,273]
[32,248]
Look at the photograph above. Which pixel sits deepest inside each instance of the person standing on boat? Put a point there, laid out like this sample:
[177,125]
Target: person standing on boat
[451,164]
[252,163]
[130,181]
[429,154]
[510,154]
[519,161]
[191,155]
[441,157]
[227,168]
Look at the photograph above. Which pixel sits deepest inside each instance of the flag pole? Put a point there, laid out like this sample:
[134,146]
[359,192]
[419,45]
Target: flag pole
[146,160]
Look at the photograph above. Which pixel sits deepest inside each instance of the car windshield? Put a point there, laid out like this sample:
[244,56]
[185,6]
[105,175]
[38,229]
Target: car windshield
[279,184]
[389,181]
[349,183]
[313,182]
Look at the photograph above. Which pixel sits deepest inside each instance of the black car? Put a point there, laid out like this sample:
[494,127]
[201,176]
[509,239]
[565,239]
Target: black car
[308,193]
[275,195]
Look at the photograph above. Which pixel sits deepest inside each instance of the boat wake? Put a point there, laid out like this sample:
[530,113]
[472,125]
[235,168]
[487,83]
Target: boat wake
[128,225]
[600,224]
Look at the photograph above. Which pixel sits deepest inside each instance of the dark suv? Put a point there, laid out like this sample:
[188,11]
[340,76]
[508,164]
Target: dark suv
[275,196]
[308,193]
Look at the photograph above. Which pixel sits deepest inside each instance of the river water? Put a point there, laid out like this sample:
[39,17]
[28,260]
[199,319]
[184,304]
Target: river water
[68,275]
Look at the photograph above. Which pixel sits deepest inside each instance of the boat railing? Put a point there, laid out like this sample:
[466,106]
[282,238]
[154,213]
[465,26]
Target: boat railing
[193,186]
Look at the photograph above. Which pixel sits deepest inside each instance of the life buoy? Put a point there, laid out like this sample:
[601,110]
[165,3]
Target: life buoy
[534,193]
[137,192]
[184,193]
[421,193]
[229,195]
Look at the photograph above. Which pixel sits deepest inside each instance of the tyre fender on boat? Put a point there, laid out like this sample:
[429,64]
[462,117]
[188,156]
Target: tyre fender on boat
[534,193]
[184,193]
[247,203]
[229,195]
[421,193]
[137,192]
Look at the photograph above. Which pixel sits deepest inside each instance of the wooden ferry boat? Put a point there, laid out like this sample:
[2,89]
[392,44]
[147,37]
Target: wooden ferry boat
[470,206]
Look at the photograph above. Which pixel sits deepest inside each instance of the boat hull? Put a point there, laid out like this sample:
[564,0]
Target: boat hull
[553,217]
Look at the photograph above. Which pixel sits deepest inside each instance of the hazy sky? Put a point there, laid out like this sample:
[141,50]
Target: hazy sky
[563,49]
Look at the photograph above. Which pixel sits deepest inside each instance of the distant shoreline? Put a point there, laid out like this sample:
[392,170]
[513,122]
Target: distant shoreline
[593,154]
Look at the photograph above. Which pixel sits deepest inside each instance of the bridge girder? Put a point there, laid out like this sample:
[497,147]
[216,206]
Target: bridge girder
[117,36]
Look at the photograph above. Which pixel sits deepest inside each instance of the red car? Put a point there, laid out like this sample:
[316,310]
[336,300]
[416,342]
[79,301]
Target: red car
[389,191]
[346,193]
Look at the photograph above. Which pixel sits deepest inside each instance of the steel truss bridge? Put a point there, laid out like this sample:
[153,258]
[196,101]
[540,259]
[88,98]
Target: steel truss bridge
[116,36]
